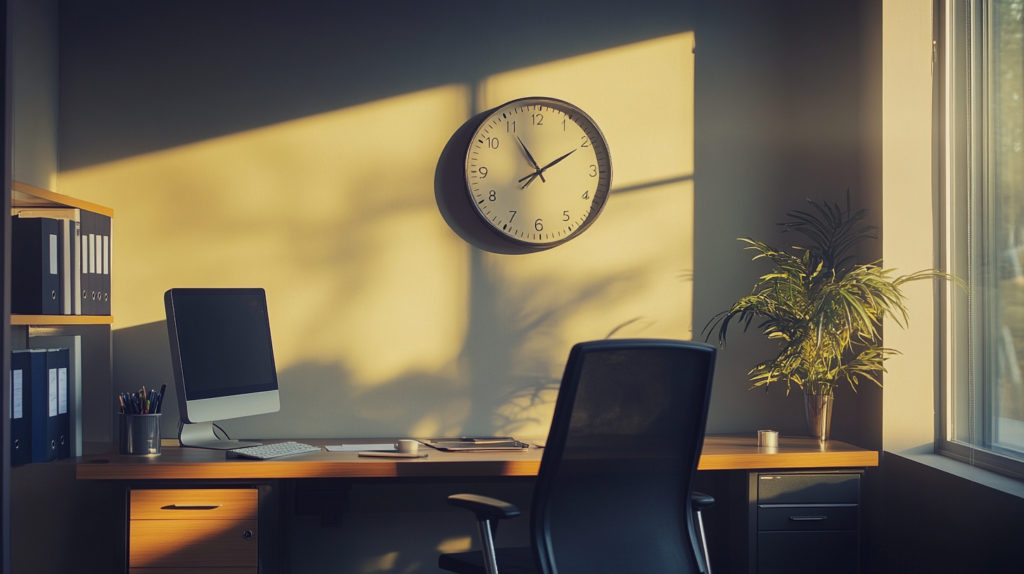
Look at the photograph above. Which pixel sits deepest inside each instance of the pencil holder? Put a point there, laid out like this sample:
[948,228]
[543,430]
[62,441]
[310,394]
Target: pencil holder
[140,434]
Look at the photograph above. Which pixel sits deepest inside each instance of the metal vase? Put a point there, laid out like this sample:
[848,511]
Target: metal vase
[818,413]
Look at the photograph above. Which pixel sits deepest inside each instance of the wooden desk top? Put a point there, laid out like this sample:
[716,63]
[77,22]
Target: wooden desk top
[720,452]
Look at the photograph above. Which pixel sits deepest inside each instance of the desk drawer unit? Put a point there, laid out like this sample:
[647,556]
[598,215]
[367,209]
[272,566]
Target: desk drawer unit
[808,522]
[194,531]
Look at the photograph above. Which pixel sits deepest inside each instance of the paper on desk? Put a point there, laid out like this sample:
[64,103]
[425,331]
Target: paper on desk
[358,447]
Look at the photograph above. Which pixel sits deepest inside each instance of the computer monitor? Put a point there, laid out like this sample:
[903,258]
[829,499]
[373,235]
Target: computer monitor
[223,360]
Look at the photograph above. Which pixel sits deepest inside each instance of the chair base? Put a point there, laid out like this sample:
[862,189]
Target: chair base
[510,561]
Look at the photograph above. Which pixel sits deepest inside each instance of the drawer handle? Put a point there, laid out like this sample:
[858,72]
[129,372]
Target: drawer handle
[190,507]
[807,518]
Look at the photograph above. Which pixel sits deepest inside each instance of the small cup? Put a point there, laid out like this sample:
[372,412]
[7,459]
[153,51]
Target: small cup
[768,438]
[406,446]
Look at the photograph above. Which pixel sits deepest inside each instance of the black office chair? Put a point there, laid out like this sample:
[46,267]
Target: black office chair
[614,489]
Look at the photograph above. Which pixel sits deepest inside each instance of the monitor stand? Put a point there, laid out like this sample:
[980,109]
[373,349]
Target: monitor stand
[201,435]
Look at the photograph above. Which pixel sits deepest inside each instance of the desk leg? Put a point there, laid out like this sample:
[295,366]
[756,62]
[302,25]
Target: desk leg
[120,526]
[271,542]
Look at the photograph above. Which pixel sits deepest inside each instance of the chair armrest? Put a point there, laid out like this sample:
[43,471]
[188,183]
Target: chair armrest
[484,507]
[700,501]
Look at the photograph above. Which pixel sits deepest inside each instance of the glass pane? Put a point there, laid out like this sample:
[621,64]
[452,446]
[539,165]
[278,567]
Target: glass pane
[1003,236]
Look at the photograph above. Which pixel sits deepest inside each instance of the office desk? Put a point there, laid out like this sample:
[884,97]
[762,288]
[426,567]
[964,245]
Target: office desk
[719,453]
[195,469]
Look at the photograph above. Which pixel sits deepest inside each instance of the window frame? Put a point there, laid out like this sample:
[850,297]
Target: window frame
[962,47]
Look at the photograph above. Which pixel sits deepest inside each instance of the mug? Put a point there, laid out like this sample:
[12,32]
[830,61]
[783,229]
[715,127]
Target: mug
[407,446]
[768,438]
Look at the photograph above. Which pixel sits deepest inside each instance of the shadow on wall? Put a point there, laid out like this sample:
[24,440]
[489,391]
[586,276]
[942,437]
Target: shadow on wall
[385,322]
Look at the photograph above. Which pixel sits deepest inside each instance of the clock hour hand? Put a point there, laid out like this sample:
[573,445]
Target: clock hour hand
[532,161]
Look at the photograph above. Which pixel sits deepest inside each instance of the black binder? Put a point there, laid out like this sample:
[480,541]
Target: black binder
[57,360]
[95,236]
[35,273]
[69,255]
[21,408]
[45,427]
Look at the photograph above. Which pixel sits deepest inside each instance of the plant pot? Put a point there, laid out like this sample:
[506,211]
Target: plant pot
[818,413]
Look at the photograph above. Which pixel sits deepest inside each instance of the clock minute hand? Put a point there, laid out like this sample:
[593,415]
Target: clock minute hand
[541,171]
[554,162]
[532,161]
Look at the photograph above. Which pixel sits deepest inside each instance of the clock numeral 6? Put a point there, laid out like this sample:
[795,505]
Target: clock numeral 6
[565,215]
[538,225]
[493,195]
[483,172]
[492,143]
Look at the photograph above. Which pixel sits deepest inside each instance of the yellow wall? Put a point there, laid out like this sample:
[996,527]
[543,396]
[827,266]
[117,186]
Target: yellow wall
[384,320]
[908,398]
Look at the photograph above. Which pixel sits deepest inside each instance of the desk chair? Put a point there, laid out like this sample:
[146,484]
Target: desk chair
[614,489]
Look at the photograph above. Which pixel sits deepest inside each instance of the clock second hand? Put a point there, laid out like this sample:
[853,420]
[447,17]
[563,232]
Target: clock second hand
[540,171]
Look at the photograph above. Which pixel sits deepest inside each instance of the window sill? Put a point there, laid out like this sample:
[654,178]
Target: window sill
[965,471]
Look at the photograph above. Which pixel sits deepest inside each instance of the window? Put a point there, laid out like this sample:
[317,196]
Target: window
[981,120]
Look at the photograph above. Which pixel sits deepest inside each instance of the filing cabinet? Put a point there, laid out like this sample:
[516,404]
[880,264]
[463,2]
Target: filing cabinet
[193,530]
[805,522]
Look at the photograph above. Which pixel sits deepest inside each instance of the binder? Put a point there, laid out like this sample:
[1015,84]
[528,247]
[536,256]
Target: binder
[44,408]
[95,242]
[21,408]
[57,362]
[73,344]
[70,252]
[35,274]
[88,241]
[106,253]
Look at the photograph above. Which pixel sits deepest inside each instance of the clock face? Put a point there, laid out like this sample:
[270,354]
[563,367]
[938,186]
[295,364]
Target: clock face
[538,171]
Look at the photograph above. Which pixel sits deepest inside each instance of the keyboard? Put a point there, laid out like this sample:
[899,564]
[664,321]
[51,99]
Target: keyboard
[268,451]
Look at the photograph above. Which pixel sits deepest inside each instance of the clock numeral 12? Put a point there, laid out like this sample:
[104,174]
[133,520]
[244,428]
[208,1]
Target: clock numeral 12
[538,119]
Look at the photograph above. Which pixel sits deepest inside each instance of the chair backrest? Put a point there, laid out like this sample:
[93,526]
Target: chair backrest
[613,492]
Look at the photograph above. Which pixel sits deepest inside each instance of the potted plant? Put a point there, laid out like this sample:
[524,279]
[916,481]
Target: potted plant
[823,308]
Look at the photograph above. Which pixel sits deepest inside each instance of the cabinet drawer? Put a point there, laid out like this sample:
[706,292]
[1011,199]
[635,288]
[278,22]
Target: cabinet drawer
[195,504]
[807,553]
[808,488]
[193,543]
[808,518]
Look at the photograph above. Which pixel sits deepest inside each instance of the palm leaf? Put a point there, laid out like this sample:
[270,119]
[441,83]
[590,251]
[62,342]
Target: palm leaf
[823,309]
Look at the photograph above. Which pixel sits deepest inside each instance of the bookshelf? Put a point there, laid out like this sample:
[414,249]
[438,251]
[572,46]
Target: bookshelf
[49,488]
[25,195]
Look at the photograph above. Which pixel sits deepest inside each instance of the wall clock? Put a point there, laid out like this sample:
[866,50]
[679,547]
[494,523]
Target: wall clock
[537,171]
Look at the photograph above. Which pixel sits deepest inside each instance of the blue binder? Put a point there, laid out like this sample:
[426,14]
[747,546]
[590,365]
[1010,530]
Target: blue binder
[58,360]
[45,427]
[21,408]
